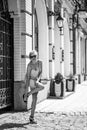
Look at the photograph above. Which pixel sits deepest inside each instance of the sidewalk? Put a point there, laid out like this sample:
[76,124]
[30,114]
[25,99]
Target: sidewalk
[73,103]
[52,114]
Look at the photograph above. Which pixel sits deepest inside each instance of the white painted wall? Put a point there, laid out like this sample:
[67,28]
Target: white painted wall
[66,49]
[80,50]
[77,52]
[43,36]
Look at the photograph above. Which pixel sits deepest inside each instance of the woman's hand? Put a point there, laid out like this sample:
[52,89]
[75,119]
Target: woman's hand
[37,81]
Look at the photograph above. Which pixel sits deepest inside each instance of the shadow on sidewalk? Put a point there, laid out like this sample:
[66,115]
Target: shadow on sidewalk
[12,125]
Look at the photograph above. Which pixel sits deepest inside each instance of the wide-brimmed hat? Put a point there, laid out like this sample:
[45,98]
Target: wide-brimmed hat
[32,54]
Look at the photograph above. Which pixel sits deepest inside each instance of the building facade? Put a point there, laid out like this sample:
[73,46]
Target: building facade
[31,24]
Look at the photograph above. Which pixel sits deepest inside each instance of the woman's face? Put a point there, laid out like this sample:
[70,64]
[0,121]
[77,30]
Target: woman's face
[33,59]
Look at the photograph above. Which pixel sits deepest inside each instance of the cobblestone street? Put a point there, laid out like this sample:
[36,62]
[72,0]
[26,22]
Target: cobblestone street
[46,121]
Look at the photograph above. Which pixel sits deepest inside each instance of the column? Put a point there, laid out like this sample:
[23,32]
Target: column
[62,45]
[71,45]
[51,40]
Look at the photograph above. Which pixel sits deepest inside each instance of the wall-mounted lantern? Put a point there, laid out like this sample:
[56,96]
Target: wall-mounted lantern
[59,21]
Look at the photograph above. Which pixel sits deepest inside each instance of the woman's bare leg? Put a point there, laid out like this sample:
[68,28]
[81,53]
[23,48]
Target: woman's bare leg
[39,87]
[33,105]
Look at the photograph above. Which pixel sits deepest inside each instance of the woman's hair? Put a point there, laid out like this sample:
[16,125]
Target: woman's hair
[33,53]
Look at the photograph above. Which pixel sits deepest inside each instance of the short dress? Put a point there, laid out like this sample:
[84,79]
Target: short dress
[34,74]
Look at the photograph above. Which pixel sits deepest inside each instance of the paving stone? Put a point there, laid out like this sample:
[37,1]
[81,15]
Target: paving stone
[46,121]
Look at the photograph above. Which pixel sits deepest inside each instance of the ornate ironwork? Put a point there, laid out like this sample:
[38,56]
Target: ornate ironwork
[6,57]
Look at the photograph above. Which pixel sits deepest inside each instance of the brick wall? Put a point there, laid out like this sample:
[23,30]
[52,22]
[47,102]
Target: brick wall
[17,49]
[22,39]
[29,24]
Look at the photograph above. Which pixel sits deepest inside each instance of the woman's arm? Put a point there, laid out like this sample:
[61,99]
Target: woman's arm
[27,76]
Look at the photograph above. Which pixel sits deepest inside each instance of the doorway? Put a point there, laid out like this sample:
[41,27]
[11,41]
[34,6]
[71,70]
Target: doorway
[6,57]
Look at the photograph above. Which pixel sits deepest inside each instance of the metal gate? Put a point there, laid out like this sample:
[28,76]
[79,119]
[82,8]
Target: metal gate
[6,56]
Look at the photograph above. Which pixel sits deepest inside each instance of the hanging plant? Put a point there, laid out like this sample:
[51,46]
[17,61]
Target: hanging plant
[58,78]
[71,77]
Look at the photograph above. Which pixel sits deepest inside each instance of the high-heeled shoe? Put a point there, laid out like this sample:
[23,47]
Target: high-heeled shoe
[32,121]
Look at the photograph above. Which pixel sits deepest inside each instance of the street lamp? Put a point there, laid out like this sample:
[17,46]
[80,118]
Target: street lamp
[59,21]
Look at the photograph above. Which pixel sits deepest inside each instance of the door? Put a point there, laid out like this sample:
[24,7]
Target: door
[6,56]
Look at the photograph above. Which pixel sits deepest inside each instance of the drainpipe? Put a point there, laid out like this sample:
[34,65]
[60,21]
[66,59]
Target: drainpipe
[51,40]
[33,24]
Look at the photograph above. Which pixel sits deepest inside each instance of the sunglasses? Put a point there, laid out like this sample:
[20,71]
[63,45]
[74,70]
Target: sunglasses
[33,57]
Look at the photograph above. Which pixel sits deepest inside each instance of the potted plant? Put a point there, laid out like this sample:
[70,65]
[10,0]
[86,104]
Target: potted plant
[70,83]
[59,86]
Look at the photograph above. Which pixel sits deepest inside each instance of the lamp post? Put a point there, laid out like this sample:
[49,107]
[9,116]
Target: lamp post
[59,21]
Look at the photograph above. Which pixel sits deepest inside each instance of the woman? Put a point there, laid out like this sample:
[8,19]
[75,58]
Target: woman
[32,78]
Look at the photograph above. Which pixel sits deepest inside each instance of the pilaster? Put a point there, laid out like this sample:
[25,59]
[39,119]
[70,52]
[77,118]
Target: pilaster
[51,39]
